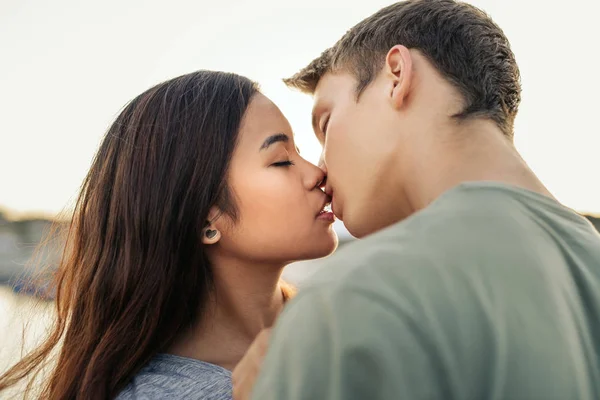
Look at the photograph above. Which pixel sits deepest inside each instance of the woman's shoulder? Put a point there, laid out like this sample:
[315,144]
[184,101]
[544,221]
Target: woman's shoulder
[174,377]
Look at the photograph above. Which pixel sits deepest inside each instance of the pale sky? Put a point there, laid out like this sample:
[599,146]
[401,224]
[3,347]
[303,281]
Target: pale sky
[68,66]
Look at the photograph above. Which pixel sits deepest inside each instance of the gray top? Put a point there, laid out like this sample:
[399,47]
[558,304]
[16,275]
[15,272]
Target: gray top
[173,377]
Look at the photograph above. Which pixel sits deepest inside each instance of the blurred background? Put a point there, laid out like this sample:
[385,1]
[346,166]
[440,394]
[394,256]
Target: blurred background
[67,67]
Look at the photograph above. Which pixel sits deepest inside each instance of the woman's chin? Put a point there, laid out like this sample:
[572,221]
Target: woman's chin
[324,247]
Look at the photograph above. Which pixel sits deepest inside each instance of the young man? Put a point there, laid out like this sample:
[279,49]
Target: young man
[473,282]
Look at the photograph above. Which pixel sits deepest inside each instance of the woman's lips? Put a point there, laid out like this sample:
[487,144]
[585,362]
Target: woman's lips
[326,215]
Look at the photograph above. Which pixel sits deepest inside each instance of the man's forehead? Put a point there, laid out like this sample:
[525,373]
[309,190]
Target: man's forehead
[333,83]
[323,91]
[330,85]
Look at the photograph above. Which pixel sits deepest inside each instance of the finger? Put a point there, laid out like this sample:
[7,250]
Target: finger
[262,341]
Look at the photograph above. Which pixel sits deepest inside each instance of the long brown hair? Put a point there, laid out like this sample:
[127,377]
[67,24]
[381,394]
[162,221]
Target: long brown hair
[134,272]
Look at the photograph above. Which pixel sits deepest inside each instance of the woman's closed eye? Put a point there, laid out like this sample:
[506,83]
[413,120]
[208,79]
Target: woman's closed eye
[287,163]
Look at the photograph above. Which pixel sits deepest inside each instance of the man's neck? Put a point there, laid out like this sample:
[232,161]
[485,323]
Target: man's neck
[246,299]
[477,152]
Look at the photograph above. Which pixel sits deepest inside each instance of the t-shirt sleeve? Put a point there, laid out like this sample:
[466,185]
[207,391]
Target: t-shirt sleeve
[347,344]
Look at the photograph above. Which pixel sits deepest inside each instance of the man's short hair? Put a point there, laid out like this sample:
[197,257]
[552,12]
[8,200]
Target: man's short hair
[461,41]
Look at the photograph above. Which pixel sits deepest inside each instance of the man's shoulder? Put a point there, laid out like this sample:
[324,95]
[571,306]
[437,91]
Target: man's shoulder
[459,233]
[439,261]
[392,267]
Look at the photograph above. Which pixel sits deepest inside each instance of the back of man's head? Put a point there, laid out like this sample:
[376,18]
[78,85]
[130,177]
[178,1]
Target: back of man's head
[461,41]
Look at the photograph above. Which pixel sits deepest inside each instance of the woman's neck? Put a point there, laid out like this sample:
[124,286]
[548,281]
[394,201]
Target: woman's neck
[246,299]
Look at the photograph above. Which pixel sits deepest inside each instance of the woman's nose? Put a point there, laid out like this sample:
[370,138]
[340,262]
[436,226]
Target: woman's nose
[317,177]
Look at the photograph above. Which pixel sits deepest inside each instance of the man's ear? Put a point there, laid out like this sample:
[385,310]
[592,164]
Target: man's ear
[399,67]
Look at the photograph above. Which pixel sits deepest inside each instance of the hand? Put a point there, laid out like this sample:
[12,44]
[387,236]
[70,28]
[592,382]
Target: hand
[245,373]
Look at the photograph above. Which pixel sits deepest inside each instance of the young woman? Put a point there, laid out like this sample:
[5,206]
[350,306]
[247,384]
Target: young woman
[195,201]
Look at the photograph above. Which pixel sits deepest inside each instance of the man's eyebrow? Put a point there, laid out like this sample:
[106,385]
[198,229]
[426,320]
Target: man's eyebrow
[278,137]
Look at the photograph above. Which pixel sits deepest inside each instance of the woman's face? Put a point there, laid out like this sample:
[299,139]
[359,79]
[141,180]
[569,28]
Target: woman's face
[277,194]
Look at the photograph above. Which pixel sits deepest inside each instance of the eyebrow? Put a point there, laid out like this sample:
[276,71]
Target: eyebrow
[276,138]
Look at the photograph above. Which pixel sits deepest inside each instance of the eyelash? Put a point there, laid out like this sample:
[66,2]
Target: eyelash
[283,164]
[325,125]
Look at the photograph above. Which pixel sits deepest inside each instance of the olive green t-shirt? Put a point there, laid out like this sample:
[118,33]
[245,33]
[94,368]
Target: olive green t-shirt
[491,292]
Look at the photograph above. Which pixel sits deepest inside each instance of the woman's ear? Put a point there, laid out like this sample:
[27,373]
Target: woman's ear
[211,234]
